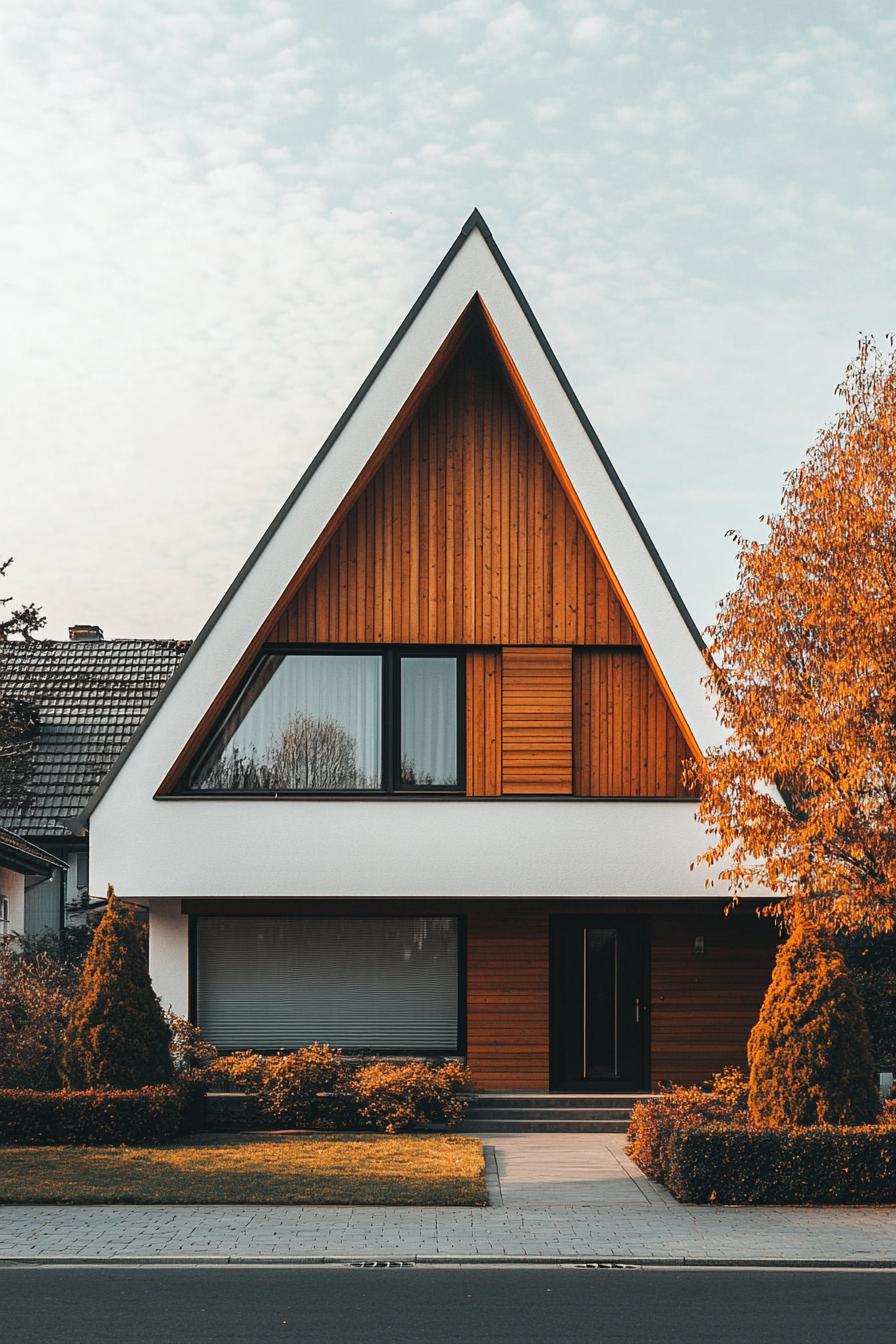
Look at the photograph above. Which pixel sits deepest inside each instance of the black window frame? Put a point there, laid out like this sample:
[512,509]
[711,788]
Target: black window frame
[391,784]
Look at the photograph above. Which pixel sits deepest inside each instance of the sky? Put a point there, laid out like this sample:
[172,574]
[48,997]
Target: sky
[213,216]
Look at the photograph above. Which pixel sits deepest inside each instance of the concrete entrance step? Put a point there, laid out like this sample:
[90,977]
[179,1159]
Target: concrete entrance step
[556,1113]
[550,1112]
[476,1125]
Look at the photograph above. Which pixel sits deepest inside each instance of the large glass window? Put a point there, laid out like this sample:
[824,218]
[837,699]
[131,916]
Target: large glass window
[339,722]
[428,722]
[307,721]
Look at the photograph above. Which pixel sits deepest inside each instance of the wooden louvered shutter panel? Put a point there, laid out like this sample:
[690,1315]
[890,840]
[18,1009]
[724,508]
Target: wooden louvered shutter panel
[536,727]
[483,722]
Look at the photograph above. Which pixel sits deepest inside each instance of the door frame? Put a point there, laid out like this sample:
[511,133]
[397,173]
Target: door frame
[561,927]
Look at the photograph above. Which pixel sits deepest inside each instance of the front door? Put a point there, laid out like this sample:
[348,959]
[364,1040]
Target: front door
[598,1004]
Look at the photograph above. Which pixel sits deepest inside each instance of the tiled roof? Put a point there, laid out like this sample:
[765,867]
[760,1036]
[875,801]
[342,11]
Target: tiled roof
[91,696]
[22,854]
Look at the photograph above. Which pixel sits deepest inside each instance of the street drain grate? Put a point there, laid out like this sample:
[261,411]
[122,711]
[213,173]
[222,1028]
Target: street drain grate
[382,1264]
[602,1264]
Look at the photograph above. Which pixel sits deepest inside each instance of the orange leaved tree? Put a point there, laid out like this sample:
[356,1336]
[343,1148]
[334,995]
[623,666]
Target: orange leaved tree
[802,798]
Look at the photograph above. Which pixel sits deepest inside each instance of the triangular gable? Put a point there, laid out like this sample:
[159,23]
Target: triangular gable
[473,279]
[464,534]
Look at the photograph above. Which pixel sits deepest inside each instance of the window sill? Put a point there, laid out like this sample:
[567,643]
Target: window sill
[422,797]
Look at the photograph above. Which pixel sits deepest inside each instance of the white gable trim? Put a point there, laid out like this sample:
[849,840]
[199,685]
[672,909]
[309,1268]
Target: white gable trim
[473,265]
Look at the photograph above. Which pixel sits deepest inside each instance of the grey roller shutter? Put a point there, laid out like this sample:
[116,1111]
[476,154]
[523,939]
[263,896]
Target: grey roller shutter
[359,983]
[43,914]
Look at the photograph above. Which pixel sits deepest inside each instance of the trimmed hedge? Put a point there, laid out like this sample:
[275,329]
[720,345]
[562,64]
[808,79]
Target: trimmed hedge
[728,1164]
[145,1115]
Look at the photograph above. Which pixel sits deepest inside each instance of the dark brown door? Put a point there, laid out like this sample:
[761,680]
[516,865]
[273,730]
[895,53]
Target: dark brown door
[598,1004]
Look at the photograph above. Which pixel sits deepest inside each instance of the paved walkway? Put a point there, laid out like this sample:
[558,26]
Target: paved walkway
[528,1171]
[569,1197]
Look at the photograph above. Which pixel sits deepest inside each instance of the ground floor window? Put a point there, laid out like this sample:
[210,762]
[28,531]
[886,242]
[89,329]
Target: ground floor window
[362,983]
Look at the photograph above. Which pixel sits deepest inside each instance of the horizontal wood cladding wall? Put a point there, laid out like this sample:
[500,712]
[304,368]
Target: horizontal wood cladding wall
[704,1005]
[463,536]
[627,743]
[483,723]
[536,721]
[507,999]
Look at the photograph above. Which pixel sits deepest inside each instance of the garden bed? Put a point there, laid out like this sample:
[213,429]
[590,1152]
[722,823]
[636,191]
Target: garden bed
[253,1169]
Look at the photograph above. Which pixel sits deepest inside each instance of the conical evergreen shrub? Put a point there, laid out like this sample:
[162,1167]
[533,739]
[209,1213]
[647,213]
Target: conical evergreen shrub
[116,1035]
[810,1051]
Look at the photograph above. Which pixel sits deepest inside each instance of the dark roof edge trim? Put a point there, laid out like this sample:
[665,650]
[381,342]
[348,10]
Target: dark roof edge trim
[590,431]
[22,856]
[475,221]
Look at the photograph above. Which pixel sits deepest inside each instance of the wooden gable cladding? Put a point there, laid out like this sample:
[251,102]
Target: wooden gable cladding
[463,535]
[536,721]
[627,742]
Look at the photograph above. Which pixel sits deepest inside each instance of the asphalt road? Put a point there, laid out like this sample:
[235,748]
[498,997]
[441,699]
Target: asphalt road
[497,1305]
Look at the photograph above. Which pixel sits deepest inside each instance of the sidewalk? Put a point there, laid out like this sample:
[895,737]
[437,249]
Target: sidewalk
[572,1197]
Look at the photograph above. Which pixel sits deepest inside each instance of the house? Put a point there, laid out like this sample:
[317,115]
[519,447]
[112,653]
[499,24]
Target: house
[90,694]
[21,863]
[417,785]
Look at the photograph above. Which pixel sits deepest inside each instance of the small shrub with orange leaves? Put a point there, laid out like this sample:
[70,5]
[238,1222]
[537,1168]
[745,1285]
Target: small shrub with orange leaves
[657,1119]
[413,1095]
[242,1071]
[189,1049]
[309,1088]
[732,1086]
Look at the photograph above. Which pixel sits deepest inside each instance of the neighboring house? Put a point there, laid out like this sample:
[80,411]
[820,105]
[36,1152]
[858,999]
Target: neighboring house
[91,694]
[417,784]
[21,865]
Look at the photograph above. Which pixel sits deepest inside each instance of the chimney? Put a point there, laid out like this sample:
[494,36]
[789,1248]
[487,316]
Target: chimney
[82,632]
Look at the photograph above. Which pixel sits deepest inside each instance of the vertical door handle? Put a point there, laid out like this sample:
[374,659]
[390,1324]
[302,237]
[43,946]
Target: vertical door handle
[637,1010]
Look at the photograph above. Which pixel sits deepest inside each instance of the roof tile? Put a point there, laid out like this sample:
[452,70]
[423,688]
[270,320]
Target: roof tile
[91,696]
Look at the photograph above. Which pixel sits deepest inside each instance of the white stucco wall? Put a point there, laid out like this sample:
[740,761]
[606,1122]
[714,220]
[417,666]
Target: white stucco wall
[401,848]
[12,886]
[169,961]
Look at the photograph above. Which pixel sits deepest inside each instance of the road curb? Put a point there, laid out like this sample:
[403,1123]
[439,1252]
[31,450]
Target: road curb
[423,1261]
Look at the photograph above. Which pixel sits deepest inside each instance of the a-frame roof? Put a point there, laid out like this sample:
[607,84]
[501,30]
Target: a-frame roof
[472,269]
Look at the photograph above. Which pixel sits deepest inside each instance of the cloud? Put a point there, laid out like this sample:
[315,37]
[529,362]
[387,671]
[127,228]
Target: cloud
[220,210]
[590,31]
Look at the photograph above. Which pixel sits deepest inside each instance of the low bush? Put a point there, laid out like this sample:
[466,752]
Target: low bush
[36,988]
[146,1115]
[394,1097]
[242,1071]
[189,1050]
[732,1086]
[308,1089]
[318,1088]
[733,1164]
[656,1120]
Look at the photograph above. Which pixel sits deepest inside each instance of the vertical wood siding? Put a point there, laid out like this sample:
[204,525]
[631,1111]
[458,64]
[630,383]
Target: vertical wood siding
[627,743]
[507,999]
[536,728]
[463,536]
[703,1006]
[483,723]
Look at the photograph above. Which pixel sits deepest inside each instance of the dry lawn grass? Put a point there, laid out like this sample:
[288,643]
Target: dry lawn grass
[253,1169]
